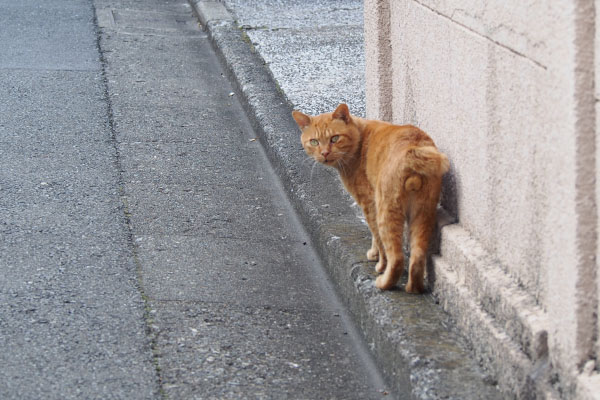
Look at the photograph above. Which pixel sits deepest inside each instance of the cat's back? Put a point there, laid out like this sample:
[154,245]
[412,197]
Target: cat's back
[385,139]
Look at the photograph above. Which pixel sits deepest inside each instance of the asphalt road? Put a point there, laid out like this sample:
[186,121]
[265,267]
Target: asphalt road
[146,248]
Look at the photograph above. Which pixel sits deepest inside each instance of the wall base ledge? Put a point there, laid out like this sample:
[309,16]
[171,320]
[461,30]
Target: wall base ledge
[505,326]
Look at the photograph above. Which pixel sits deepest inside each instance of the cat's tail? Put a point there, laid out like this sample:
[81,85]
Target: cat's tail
[423,161]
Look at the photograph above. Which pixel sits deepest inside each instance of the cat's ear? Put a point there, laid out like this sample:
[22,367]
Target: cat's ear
[342,112]
[302,120]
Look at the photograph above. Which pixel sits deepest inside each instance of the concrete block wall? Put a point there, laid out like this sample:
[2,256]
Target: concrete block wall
[506,89]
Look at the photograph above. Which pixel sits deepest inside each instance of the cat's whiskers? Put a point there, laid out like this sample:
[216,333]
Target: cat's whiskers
[307,160]
[342,162]
[342,165]
[312,170]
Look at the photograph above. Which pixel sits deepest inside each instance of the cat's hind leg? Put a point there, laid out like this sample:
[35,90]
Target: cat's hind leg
[422,222]
[390,223]
[420,231]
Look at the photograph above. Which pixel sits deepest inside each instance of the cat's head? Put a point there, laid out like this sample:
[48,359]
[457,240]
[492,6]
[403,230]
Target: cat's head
[331,138]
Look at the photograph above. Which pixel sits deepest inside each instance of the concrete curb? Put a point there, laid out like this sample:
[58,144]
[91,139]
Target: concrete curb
[411,338]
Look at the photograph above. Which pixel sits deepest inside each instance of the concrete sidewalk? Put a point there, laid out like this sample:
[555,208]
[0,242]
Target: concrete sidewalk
[284,55]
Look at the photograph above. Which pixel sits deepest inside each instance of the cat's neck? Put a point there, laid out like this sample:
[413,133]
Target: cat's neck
[351,166]
[361,123]
[366,126]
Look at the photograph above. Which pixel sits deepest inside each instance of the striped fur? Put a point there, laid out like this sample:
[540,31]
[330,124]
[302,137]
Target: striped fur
[394,172]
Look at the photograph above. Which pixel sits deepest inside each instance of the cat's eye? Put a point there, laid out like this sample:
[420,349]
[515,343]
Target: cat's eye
[314,142]
[335,138]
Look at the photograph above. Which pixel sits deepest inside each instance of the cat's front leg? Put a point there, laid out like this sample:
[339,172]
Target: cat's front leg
[380,266]
[379,255]
[373,253]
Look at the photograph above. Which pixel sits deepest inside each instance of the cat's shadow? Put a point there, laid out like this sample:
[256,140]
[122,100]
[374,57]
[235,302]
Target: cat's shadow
[447,214]
[449,197]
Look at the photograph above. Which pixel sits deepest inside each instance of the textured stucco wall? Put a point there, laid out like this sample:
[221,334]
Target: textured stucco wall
[597,102]
[506,89]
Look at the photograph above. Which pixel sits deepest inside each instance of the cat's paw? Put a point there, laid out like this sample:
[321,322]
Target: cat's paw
[380,266]
[383,282]
[373,254]
[415,288]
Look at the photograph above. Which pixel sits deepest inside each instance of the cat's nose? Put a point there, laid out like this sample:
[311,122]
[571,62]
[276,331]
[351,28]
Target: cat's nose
[325,153]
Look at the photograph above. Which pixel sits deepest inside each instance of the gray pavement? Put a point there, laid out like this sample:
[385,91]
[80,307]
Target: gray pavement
[71,314]
[313,48]
[147,249]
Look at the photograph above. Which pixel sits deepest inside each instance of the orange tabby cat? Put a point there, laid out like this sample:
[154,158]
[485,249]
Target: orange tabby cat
[394,173]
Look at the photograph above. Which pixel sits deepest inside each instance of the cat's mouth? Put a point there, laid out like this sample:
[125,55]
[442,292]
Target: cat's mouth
[331,159]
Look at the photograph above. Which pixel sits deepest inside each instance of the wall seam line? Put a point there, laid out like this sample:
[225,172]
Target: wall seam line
[487,38]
